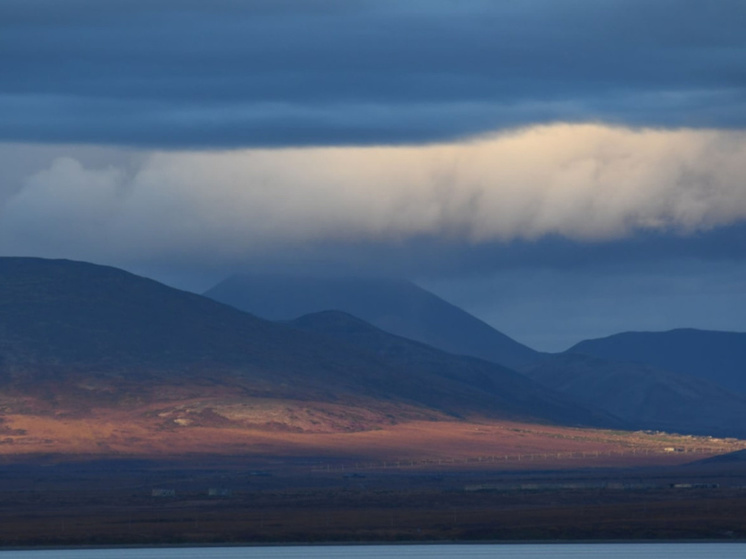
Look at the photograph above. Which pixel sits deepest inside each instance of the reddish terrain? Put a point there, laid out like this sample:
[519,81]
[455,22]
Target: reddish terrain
[444,443]
[413,481]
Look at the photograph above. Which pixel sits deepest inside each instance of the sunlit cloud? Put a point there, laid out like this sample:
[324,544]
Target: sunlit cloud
[586,182]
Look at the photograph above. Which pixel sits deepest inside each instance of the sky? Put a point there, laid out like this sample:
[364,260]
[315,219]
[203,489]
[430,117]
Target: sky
[563,169]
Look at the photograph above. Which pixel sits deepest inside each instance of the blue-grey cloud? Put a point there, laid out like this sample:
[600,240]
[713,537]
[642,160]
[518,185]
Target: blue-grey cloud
[294,72]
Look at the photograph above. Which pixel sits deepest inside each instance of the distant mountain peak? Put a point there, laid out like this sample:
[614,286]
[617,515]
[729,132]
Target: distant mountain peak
[397,306]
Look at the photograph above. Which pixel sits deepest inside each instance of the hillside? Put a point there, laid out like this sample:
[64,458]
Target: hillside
[718,357]
[514,392]
[645,396]
[396,306]
[79,339]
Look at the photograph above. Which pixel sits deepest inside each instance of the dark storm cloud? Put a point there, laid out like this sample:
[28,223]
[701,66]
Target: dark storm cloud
[231,73]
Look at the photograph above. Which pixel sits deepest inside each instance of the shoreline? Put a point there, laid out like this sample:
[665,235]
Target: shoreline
[377,543]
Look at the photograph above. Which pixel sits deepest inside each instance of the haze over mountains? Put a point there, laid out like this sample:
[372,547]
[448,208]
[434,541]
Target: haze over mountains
[394,305]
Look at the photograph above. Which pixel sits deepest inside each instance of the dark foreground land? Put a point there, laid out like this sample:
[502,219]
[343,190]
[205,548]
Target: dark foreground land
[232,501]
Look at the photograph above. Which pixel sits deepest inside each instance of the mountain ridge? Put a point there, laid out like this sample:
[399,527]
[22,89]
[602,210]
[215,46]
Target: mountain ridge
[394,305]
[75,337]
[717,356]
[645,396]
[513,389]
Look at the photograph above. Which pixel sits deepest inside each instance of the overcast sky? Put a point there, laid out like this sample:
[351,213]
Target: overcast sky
[563,169]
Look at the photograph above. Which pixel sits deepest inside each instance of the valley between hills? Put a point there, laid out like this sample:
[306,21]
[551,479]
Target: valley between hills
[145,414]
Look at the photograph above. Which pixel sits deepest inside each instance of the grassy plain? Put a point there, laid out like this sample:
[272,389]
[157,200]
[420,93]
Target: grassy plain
[413,481]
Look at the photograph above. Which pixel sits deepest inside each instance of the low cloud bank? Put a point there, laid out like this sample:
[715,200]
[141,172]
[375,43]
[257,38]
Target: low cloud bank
[588,183]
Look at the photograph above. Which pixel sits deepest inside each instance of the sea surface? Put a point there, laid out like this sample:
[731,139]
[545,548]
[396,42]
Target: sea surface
[435,551]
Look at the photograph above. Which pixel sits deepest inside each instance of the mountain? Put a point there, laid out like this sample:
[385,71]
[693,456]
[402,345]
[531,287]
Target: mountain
[77,338]
[514,392]
[645,396]
[396,306]
[718,357]
[732,458]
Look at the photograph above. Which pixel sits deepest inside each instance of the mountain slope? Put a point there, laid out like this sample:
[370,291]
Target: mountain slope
[719,357]
[514,392]
[397,306]
[76,337]
[645,396]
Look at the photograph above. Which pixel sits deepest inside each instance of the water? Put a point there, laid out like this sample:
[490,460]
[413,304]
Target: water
[469,551]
